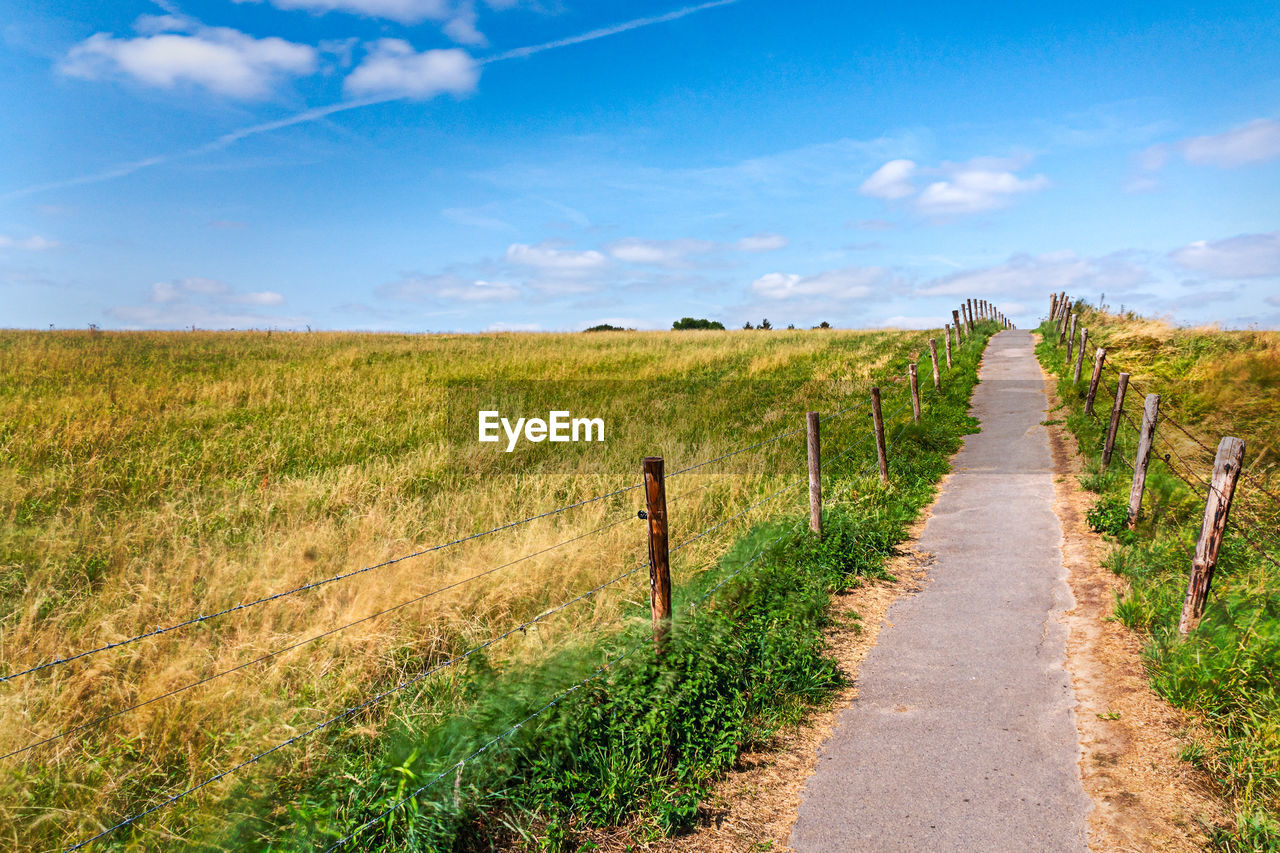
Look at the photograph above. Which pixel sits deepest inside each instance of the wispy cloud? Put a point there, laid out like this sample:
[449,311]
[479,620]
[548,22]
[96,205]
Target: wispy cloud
[34,243]
[317,113]
[605,32]
[204,302]
[1245,256]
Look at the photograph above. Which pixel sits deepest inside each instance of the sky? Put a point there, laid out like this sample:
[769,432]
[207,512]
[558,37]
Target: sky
[472,165]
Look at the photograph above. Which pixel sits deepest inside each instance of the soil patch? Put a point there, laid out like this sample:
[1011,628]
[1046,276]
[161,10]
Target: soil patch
[1145,797]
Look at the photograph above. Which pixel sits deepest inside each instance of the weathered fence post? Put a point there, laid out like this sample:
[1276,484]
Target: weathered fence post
[1099,357]
[1053,305]
[655,493]
[1122,385]
[1146,434]
[955,318]
[878,419]
[968,310]
[1084,339]
[947,338]
[815,472]
[933,354]
[1071,339]
[1226,469]
[1062,326]
[915,393]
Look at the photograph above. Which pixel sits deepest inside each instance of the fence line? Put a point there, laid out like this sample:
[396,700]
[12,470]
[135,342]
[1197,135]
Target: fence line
[277,652]
[521,628]
[1218,491]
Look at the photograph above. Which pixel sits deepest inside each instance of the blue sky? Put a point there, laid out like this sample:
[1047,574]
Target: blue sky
[552,164]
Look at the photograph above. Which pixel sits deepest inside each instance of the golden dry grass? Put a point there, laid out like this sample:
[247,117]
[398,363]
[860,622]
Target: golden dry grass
[152,477]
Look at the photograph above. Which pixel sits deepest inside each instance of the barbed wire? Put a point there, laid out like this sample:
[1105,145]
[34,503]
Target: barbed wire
[355,709]
[1169,418]
[733,453]
[313,585]
[408,683]
[458,765]
[106,717]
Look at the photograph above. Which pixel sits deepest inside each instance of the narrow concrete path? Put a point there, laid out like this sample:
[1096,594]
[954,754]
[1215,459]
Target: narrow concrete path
[963,736]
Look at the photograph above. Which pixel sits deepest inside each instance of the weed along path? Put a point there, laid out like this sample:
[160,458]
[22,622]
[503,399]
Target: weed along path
[962,736]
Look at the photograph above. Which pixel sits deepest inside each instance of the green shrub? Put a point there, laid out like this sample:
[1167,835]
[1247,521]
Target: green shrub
[1108,514]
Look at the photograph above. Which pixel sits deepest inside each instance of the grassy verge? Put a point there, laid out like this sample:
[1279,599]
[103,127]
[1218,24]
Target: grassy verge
[230,455]
[640,739]
[1228,670]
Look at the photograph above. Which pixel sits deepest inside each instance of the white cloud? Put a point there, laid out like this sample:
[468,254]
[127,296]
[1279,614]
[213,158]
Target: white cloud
[34,243]
[394,69]
[902,321]
[761,243]
[546,258]
[202,302]
[1245,256]
[448,287]
[663,253]
[1034,275]
[462,26]
[402,11]
[219,59]
[514,327]
[679,253]
[890,181]
[1254,142]
[847,283]
[984,183]
[973,190]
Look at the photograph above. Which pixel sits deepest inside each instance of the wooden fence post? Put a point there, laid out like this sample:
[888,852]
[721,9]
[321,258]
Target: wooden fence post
[1226,469]
[1071,339]
[915,393]
[1150,411]
[1053,305]
[968,310]
[1062,327]
[1098,359]
[1122,385]
[1084,339]
[655,493]
[878,419]
[812,425]
[947,338]
[955,319]
[933,354]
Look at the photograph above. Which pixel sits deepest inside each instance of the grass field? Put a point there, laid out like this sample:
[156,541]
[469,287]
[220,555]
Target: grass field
[154,477]
[1227,672]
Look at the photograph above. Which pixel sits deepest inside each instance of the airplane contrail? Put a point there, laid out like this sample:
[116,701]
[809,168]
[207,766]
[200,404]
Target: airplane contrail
[315,113]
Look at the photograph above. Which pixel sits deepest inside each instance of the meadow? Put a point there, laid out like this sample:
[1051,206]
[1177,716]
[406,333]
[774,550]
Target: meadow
[1212,383]
[155,477]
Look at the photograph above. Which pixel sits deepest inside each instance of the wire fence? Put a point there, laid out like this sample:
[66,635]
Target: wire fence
[1245,519]
[860,441]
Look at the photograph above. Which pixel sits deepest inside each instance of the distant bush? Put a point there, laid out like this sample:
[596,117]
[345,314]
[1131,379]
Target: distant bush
[605,327]
[696,323]
[823,325]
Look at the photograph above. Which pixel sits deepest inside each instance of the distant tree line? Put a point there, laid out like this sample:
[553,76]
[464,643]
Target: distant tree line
[701,323]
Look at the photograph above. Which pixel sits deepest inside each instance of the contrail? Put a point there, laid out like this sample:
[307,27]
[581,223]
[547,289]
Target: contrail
[234,136]
[603,32]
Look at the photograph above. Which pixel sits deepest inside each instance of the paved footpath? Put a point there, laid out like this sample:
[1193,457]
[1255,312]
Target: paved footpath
[963,736]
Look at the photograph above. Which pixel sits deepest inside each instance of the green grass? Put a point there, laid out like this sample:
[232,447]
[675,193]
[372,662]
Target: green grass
[1227,671]
[162,474]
